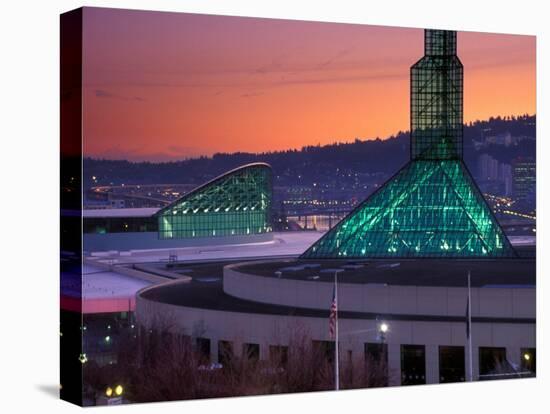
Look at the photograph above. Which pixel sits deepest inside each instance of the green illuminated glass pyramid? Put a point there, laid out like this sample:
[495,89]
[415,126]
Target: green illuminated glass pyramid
[432,206]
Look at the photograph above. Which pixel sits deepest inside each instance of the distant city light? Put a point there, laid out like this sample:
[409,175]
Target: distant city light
[527,357]
[109,392]
[384,327]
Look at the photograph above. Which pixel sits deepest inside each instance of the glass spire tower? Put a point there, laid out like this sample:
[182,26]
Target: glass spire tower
[431,207]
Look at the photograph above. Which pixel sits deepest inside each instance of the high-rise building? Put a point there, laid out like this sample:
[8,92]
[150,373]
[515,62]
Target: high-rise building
[507,178]
[524,177]
[432,206]
[488,168]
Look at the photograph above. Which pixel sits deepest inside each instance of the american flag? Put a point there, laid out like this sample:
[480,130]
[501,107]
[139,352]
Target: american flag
[333,315]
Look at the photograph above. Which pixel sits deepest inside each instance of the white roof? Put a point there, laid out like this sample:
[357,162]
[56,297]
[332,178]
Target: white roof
[283,244]
[98,283]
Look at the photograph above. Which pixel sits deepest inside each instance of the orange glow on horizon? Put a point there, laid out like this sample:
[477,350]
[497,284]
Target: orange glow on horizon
[166,86]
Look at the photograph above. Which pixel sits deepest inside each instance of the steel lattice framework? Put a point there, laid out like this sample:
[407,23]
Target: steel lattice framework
[436,99]
[235,203]
[432,206]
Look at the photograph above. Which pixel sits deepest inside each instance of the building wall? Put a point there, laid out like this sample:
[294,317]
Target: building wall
[267,329]
[524,177]
[382,299]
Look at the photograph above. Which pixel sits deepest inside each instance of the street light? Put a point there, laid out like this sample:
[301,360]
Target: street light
[114,392]
[527,357]
[336,339]
[383,328]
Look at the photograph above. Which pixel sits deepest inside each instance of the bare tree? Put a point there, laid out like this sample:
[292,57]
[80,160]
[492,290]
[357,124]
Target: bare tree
[160,365]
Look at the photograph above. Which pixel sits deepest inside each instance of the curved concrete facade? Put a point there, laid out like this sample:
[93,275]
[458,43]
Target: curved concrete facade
[417,315]
[383,299]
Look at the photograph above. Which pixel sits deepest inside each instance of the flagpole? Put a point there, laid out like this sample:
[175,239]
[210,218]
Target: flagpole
[336,351]
[470,328]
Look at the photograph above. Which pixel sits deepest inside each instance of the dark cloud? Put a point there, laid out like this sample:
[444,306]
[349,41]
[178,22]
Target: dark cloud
[337,56]
[183,151]
[101,93]
[251,94]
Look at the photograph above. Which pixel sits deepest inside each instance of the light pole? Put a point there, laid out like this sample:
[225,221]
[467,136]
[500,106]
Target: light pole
[382,328]
[336,346]
[469,328]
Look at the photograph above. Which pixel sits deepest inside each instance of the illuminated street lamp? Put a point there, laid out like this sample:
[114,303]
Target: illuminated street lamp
[383,329]
[112,395]
[527,357]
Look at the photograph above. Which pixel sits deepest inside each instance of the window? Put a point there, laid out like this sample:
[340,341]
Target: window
[251,352]
[413,364]
[492,363]
[203,349]
[278,355]
[225,352]
[325,349]
[103,225]
[376,364]
[451,364]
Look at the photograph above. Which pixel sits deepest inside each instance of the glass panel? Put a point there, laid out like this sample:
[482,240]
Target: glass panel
[413,364]
[237,203]
[493,363]
[225,352]
[203,349]
[376,361]
[451,364]
[278,355]
[431,207]
[428,209]
[251,352]
[436,99]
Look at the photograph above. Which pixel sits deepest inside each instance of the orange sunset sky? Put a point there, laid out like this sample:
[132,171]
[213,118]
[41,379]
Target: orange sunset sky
[167,86]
